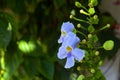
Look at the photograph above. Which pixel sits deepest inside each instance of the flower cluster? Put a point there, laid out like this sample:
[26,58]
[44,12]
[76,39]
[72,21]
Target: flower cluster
[69,47]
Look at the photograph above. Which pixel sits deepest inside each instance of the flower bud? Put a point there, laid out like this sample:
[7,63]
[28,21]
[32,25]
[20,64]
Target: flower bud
[92,70]
[83,12]
[71,16]
[90,5]
[97,53]
[100,63]
[78,68]
[95,17]
[79,25]
[108,25]
[89,35]
[84,41]
[77,4]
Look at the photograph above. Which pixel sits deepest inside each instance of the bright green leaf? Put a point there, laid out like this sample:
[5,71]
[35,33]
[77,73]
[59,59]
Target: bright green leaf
[108,45]
[81,77]
[26,47]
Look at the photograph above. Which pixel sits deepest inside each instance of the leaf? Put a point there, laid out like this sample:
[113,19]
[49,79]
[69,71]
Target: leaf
[47,68]
[95,38]
[59,3]
[108,45]
[32,47]
[26,47]
[17,6]
[32,65]
[81,77]
[91,29]
[5,32]
[12,63]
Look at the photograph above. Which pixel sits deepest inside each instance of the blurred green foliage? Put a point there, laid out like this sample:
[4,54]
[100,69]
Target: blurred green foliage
[29,31]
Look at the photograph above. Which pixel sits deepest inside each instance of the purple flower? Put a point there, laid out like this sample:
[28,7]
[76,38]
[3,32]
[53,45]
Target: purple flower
[66,27]
[70,51]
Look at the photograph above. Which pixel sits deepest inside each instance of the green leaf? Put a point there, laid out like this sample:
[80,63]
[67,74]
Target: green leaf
[95,38]
[5,32]
[81,77]
[91,29]
[12,63]
[32,65]
[59,3]
[17,6]
[91,11]
[108,45]
[26,47]
[47,68]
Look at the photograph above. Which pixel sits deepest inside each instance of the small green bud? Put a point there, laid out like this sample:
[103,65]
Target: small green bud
[90,5]
[83,12]
[2,71]
[77,4]
[71,16]
[93,2]
[78,68]
[73,12]
[108,25]
[89,35]
[79,25]
[97,53]
[95,17]
[92,70]
[84,41]
[100,63]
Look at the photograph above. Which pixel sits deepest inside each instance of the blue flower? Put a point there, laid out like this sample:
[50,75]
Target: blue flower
[66,27]
[70,51]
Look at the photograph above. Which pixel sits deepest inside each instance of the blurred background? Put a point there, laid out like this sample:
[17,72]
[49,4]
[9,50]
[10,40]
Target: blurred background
[29,30]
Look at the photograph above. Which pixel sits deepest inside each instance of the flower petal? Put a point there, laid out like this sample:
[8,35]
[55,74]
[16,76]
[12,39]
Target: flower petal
[78,54]
[71,40]
[60,40]
[62,53]
[67,27]
[69,62]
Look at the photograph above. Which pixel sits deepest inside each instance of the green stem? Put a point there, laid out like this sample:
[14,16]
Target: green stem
[82,34]
[84,8]
[80,20]
[82,27]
